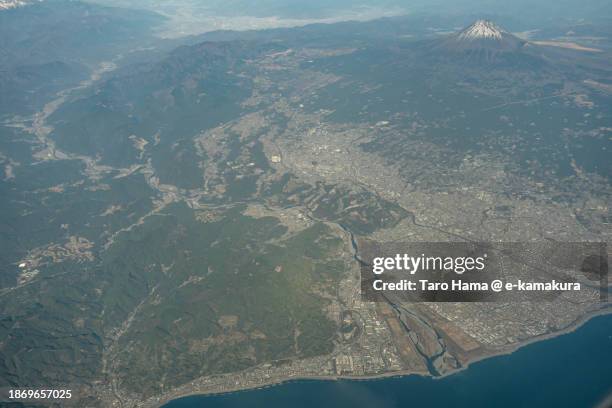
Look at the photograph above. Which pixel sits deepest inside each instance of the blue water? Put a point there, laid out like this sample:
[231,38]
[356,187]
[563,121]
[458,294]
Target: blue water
[572,370]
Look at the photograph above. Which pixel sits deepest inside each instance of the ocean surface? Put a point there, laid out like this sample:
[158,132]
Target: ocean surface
[571,370]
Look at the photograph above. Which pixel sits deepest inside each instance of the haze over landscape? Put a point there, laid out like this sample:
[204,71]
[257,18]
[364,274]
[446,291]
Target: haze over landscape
[190,189]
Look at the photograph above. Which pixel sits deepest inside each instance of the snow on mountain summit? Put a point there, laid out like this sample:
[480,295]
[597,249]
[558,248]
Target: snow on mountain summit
[481,41]
[10,4]
[481,29]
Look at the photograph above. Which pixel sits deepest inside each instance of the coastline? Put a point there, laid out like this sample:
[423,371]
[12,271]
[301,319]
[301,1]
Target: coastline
[162,400]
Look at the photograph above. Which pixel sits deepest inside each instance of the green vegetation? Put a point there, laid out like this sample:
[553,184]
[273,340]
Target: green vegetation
[216,297]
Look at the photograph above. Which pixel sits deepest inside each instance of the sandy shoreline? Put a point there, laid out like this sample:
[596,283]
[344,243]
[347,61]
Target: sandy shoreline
[504,351]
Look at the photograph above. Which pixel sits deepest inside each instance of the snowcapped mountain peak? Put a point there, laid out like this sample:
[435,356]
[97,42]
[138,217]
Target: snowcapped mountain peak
[481,29]
[483,40]
[9,4]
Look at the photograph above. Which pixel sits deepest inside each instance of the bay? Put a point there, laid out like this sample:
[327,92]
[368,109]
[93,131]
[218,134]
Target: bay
[570,370]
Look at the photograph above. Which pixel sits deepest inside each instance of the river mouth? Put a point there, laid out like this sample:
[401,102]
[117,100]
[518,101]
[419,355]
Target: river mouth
[565,371]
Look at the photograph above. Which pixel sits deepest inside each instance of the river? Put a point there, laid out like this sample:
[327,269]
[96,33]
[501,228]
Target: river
[570,370]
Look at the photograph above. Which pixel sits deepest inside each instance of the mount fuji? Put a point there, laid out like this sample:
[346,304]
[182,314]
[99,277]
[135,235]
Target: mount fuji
[483,40]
